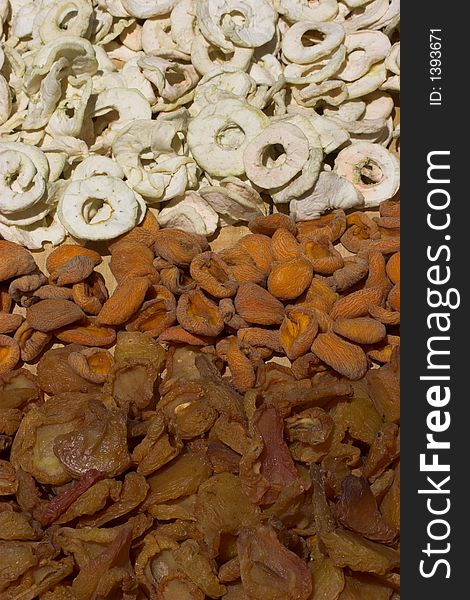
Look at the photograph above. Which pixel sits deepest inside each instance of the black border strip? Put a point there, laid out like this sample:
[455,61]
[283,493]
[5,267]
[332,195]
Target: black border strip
[426,129]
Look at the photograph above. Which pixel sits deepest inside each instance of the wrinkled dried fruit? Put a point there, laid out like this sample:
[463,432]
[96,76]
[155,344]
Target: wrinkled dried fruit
[297,331]
[125,301]
[51,314]
[361,330]
[9,353]
[257,305]
[15,261]
[176,246]
[63,253]
[347,359]
[213,276]
[290,278]
[198,314]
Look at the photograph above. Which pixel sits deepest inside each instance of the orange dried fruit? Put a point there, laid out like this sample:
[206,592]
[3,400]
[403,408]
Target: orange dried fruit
[176,280]
[178,335]
[361,330]
[332,224]
[393,268]
[241,369]
[285,245]
[156,314]
[176,246]
[9,353]
[125,301]
[387,317]
[269,224]
[256,305]
[345,358]
[290,278]
[259,247]
[321,295]
[323,256]
[91,294]
[354,270]
[258,337]
[393,299]
[73,271]
[63,253]
[377,277]
[213,275]
[198,314]
[357,303]
[87,333]
[144,233]
[93,364]
[47,315]
[297,331]
[30,341]
[9,323]
[15,260]
[132,259]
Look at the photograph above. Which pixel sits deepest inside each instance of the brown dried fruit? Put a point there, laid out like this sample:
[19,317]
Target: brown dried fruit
[63,253]
[19,389]
[132,383]
[327,579]
[138,345]
[333,225]
[354,270]
[132,259]
[257,337]
[297,331]
[383,385]
[9,353]
[93,364]
[267,467]
[178,335]
[87,333]
[268,225]
[53,291]
[47,315]
[5,299]
[212,275]
[357,303]
[393,267]
[285,245]
[199,315]
[91,294]
[269,571]
[15,260]
[312,426]
[289,279]
[222,508]
[30,341]
[387,317]
[256,305]
[176,246]
[347,549]
[389,208]
[229,314]
[155,315]
[323,255]
[357,510]
[125,301]
[393,300]
[22,289]
[377,275]
[347,359]
[176,280]
[390,505]
[55,375]
[9,323]
[385,448]
[8,482]
[362,330]
[73,271]
[241,369]
[259,247]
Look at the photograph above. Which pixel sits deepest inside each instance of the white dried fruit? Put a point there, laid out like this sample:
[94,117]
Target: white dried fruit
[98,208]
[373,170]
[219,134]
[190,213]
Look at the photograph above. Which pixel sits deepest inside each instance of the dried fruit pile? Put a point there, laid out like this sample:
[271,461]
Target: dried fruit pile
[151,471]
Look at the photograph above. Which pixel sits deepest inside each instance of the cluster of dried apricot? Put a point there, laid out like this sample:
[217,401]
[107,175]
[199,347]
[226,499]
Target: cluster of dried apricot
[158,452]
